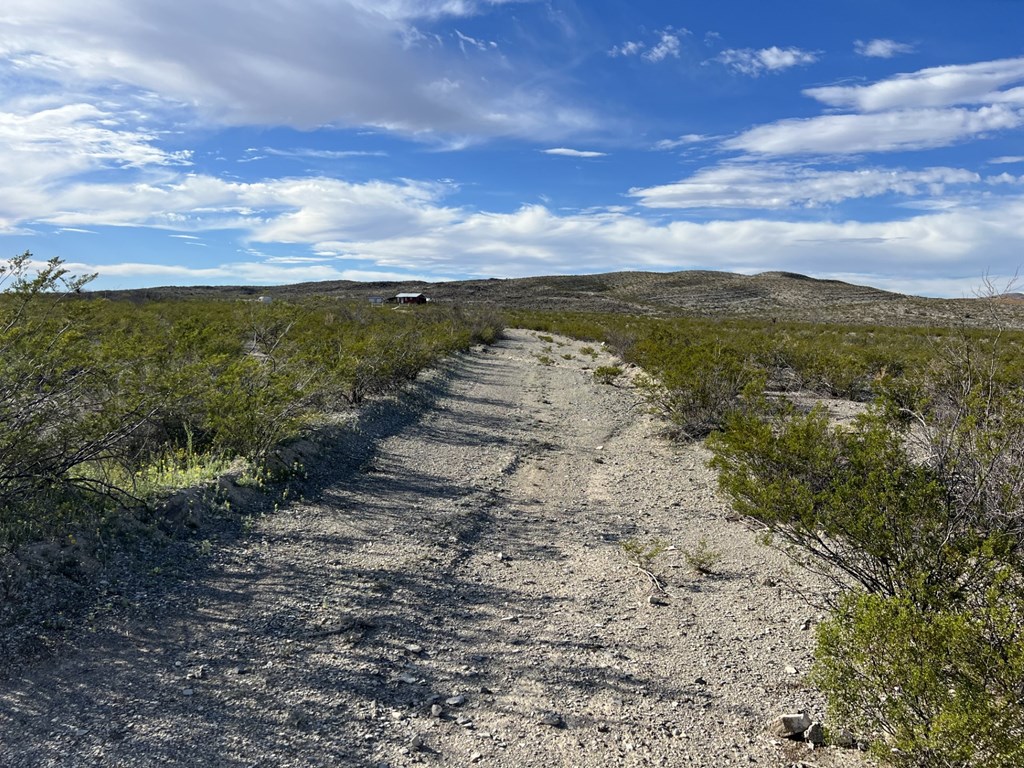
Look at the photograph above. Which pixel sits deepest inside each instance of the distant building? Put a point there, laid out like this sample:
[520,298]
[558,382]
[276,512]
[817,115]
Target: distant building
[410,298]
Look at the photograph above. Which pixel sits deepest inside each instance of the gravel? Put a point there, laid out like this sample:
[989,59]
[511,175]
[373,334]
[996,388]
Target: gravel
[453,590]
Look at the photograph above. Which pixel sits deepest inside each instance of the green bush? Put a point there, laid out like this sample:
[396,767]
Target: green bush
[921,508]
[930,688]
[101,401]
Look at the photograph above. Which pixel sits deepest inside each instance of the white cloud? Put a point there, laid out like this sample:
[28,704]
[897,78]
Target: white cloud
[241,65]
[684,140]
[629,48]
[316,154]
[877,131]
[667,46]
[566,152]
[267,272]
[881,48]
[405,228]
[749,61]
[779,186]
[1007,160]
[978,83]
[480,45]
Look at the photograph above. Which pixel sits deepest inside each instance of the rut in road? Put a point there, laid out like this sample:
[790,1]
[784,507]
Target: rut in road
[457,596]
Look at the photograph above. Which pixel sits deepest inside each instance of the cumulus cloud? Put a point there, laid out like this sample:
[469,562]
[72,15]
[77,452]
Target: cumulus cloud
[566,152]
[881,48]
[240,65]
[779,186]
[749,61]
[406,228]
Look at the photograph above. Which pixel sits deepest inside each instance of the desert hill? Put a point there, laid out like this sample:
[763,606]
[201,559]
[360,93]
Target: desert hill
[778,295]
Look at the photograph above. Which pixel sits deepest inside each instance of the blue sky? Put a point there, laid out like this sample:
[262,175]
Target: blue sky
[163,142]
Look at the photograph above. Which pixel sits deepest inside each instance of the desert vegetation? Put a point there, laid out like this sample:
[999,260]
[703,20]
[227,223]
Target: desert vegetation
[104,404]
[914,512]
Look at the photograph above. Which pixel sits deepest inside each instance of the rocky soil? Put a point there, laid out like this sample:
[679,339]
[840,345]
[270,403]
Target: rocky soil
[454,590]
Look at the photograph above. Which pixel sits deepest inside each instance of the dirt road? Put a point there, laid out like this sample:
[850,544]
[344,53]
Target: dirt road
[458,596]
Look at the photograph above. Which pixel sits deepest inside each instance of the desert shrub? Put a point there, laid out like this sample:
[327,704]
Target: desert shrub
[921,508]
[607,374]
[103,401]
[702,557]
[931,688]
[696,385]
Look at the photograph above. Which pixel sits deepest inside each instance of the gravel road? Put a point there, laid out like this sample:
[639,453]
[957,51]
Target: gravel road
[454,591]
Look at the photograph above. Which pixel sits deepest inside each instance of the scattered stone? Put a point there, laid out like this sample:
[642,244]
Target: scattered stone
[845,739]
[790,725]
[791,670]
[455,701]
[417,742]
[476,757]
[657,599]
[552,719]
[410,679]
[806,625]
[188,692]
[815,735]
[414,648]
[436,710]
[700,681]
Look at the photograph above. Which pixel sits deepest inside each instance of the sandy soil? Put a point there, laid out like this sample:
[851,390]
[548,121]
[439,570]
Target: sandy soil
[459,595]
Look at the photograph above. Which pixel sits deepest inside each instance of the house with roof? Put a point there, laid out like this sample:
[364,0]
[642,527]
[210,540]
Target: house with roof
[409,298]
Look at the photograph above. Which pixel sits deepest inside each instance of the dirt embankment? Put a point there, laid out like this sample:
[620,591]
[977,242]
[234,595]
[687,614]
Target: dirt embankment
[462,597]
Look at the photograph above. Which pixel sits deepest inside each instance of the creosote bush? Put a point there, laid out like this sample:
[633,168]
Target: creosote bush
[921,509]
[101,401]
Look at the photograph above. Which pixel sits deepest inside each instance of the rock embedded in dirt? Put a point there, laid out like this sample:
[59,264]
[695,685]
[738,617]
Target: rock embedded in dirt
[455,701]
[790,726]
[815,735]
[552,719]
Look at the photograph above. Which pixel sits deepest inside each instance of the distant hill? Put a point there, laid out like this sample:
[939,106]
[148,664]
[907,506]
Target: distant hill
[769,295]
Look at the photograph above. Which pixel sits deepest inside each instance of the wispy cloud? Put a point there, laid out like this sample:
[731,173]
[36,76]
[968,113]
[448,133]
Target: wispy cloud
[881,48]
[682,141]
[1007,159]
[319,154]
[934,107]
[776,186]
[908,129]
[754,63]
[668,45]
[629,48]
[980,83]
[566,152]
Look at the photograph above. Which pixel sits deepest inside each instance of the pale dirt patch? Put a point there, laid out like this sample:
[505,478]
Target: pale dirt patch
[469,558]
